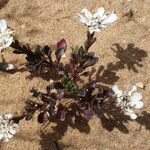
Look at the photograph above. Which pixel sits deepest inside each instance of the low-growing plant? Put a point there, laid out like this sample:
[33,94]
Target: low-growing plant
[40,60]
[89,97]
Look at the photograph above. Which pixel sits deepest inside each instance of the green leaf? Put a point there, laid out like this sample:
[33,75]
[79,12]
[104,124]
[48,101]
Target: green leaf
[68,84]
[75,49]
[65,81]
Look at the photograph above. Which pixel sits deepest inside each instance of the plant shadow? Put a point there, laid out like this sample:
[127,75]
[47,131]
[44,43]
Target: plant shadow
[144,120]
[14,70]
[116,119]
[106,76]
[74,119]
[131,57]
[47,143]
[111,119]
[50,75]
[3,3]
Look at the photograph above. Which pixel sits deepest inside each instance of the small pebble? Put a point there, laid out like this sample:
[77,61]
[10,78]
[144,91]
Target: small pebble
[23,26]
[64,55]
[62,32]
[140,85]
[128,12]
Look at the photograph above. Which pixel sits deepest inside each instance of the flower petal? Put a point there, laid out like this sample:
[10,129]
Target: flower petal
[139,105]
[9,135]
[12,131]
[5,139]
[117,91]
[3,25]
[91,29]
[9,41]
[87,13]
[110,18]
[1,117]
[129,112]
[133,116]
[136,97]
[8,116]
[130,89]
[15,126]
[97,30]
[99,12]
[82,19]
[1,136]
[115,88]
[10,67]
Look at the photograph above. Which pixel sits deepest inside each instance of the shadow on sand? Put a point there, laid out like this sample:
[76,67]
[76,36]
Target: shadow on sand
[3,3]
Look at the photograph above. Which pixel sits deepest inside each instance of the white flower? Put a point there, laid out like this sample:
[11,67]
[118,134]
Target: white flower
[98,20]
[5,35]
[129,112]
[117,91]
[135,100]
[128,99]
[7,127]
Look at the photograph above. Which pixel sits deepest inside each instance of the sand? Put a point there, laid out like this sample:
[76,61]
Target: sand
[47,21]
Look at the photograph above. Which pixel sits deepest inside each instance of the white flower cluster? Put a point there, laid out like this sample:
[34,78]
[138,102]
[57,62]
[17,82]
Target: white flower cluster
[128,100]
[5,35]
[7,127]
[98,20]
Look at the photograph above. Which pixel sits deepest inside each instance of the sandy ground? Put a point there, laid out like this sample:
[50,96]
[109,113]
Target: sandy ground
[45,22]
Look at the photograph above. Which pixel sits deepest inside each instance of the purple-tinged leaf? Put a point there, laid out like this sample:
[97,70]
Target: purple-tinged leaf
[88,113]
[63,116]
[81,93]
[47,50]
[86,74]
[72,66]
[92,84]
[52,111]
[30,105]
[43,117]
[91,62]
[39,70]
[35,92]
[60,94]
[49,88]
[43,107]
[61,48]
[44,68]
[58,85]
[59,52]
[52,102]
[62,44]
[62,70]
[29,116]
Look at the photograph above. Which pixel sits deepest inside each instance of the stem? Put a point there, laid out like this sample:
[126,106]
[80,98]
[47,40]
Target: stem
[90,40]
[3,59]
[57,147]
[17,119]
